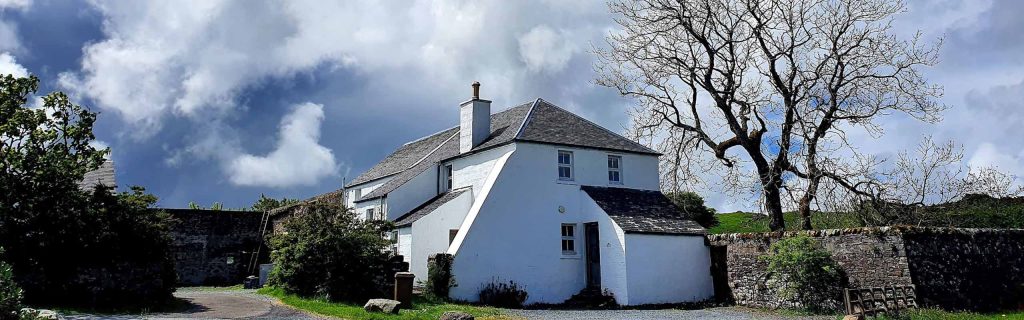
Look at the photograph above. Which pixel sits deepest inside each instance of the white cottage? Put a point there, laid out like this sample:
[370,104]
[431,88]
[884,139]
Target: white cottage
[540,196]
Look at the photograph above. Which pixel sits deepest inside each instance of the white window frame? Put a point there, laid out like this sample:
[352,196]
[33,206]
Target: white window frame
[449,171]
[370,214]
[617,170]
[570,239]
[569,165]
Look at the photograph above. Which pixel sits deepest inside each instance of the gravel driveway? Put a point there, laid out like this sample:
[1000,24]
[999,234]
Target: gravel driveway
[711,313]
[217,304]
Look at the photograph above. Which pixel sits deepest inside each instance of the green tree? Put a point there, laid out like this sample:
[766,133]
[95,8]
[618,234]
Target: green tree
[326,251]
[266,203]
[65,243]
[692,206]
[10,293]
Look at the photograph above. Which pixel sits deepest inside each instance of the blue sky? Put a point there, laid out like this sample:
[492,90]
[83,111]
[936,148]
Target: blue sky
[221,101]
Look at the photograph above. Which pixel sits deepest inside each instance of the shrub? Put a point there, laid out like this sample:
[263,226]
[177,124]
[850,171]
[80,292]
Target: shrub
[439,276]
[503,295]
[807,272]
[10,294]
[67,245]
[325,251]
[692,206]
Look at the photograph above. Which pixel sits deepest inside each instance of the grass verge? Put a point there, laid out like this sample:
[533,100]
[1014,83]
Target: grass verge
[422,308]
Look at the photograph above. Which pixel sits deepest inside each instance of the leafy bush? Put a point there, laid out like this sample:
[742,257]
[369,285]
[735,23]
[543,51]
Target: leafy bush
[807,272]
[503,295]
[71,246]
[10,294]
[692,206]
[326,251]
[439,276]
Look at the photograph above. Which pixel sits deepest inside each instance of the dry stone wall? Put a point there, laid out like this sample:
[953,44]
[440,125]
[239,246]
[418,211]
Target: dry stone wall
[974,269]
[213,247]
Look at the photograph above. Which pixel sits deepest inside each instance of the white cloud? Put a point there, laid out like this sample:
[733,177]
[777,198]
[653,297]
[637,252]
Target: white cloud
[989,156]
[545,50]
[15,4]
[298,159]
[8,65]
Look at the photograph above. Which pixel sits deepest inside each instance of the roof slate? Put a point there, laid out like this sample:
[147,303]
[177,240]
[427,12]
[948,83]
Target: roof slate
[404,157]
[449,149]
[104,175]
[550,124]
[428,207]
[642,211]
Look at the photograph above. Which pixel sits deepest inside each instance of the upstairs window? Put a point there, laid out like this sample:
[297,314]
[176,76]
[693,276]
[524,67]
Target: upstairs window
[564,165]
[370,214]
[569,239]
[615,169]
[448,177]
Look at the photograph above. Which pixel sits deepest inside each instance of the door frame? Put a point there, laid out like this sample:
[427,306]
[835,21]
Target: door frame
[592,254]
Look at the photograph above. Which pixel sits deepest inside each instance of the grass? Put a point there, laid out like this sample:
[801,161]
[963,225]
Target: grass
[422,308]
[934,314]
[741,222]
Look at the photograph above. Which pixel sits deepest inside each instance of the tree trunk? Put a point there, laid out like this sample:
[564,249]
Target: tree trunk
[773,204]
[805,213]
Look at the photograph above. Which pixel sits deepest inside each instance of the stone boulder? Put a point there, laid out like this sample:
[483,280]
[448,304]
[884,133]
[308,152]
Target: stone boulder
[40,314]
[382,305]
[456,315]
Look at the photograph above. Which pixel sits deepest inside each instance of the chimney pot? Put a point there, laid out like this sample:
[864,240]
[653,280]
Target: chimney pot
[476,90]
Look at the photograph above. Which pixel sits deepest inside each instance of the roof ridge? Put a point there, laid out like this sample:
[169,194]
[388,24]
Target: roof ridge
[599,126]
[428,136]
[439,145]
[526,119]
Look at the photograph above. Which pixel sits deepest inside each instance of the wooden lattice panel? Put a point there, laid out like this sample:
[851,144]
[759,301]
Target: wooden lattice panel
[876,300]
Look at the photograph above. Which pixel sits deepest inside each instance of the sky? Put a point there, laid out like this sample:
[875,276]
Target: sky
[221,101]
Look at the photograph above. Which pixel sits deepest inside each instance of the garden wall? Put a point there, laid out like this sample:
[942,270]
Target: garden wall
[977,269]
[213,247]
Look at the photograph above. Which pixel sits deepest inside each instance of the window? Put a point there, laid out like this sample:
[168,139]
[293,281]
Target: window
[448,176]
[564,165]
[451,235]
[569,239]
[370,214]
[615,169]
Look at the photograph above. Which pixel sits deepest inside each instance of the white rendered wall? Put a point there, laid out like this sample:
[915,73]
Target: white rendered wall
[515,234]
[412,194]
[363,189]
[472,171]
[431,232]
[667,269]
[405,243]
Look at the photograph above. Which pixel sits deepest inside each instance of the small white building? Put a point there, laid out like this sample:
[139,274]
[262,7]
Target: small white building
[542,197]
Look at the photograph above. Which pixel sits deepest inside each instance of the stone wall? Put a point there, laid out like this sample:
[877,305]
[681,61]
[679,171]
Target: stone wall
[213,247]
[978,269]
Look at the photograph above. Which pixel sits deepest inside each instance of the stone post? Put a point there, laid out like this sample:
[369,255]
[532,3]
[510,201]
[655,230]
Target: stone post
[403,288]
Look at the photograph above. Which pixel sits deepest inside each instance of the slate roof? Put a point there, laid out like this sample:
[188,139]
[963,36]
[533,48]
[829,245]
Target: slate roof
[428,207]
[404,157]
[448,149]
[103,175]
[642,211]
[548,123]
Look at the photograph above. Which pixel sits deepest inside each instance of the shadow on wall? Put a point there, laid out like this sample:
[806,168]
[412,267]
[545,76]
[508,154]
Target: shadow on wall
[213,247]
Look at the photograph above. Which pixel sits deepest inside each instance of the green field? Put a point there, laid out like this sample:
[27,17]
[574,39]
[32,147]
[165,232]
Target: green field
[739,222]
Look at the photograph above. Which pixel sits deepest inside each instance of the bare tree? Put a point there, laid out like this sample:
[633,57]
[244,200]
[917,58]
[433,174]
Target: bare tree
[931,174]
[771,84]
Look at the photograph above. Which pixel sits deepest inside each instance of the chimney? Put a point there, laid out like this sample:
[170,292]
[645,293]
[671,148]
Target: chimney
[474,121]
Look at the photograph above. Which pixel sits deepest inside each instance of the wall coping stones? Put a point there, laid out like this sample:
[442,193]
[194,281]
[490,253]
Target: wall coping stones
[726,238]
